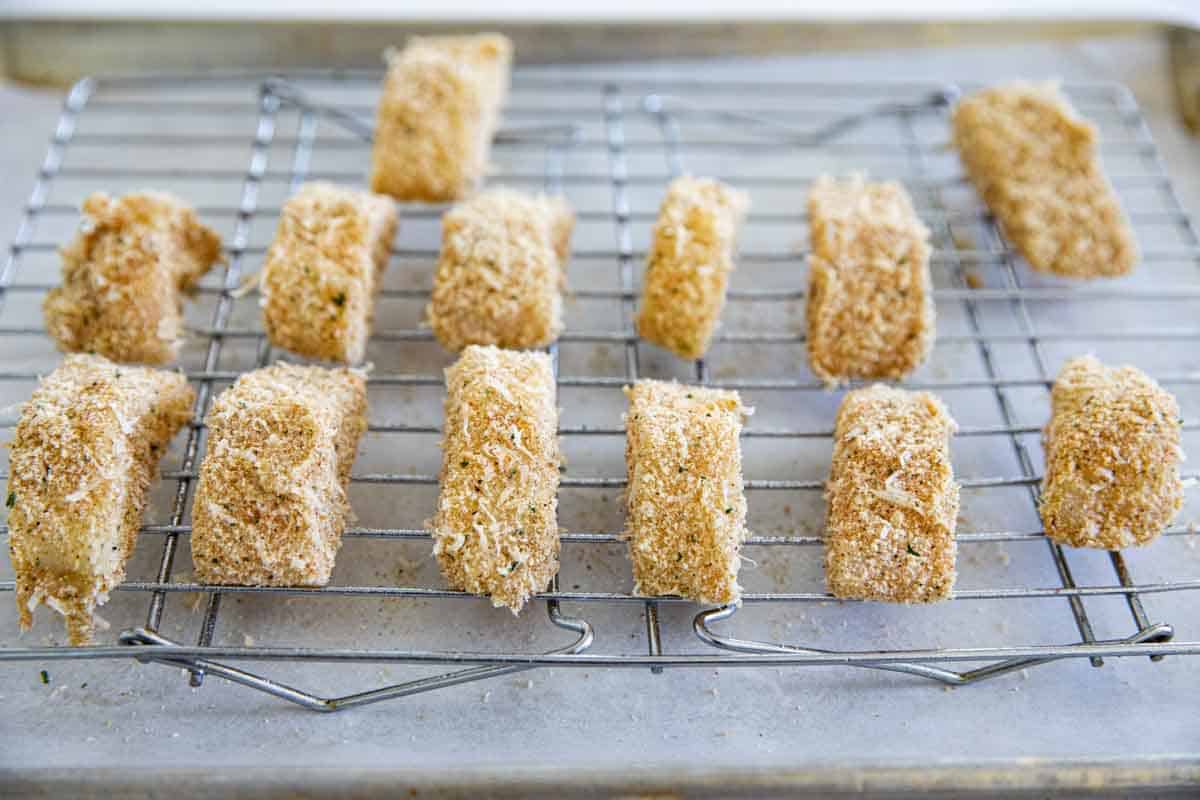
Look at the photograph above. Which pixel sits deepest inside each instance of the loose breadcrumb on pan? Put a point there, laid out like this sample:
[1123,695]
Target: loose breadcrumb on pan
[892,499]
[688,267]
[870,307]
[1036,164]
[501,271]
[439,110]
[271,504]
[83,455]
[123,277]
[685,499]
[324,269]
[495,531]
[1112,457]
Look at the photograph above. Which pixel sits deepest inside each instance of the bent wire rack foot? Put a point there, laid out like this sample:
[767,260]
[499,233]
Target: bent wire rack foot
[611,145]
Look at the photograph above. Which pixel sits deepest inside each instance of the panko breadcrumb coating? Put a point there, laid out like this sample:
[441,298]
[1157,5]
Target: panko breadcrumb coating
[1112,457]
[501,271]
[870,303]
[439,110]
[685,500]
[892,499]
[495,532]
[1035,162]
[324,270]
[688,267]
[271,504]
[84,453]
[124,274]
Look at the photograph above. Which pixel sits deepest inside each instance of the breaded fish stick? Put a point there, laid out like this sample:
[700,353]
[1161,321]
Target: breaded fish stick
[324,270]
[501,271]
[688,267]
[1035,162]
[84,453]
[124,274]
[870,304]
[271,504]
[439,111]
[892,499]
[1112,457]
[685,500]
[495,531]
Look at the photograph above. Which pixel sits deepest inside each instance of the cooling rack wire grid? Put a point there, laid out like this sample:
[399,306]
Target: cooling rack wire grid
[237,145]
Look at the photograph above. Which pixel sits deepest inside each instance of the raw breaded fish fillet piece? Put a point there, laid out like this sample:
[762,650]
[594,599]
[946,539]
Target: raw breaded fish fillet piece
[501,271]
[324,270]
[870,299]
[1036,164]
[439,111]
[892,499]
[685,498]
[1112,457]
[84,453]
[124,276]
[688,267]
[495,531]
[271,504]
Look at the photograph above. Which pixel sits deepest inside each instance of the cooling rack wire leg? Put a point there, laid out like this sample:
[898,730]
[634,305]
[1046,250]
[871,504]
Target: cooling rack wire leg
[1157,633]
[313,702]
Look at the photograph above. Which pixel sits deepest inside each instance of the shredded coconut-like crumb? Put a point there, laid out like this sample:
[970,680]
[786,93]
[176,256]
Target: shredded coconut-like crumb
[496,527]
[1112,457]
[124,275]
[501,271]
[688,267]
[84,452]
[1036,164]
[870,307]
[893,502]
[439,110]
[271,503]
[324,270]
[685,499]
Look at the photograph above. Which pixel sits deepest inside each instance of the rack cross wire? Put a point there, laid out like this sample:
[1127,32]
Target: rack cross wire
[611,144]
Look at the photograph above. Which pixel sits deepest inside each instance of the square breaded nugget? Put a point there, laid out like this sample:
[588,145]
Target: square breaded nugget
[892,499]
[271,503]
[685,499]
[501,272]
[495,531]
[1036,164]
[124,274]
[439,110]
[687,269]
[870,299]
[84,453]
[1112,457]
[324,270]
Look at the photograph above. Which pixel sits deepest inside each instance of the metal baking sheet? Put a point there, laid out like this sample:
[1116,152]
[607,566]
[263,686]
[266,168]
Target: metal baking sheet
[205,153]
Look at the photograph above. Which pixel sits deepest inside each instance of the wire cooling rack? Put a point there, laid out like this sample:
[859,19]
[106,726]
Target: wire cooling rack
[237,145]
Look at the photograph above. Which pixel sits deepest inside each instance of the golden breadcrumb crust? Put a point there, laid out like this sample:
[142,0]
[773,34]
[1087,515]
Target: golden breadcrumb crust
[892,499]
[688,266]
[324,270]
[439,110]
[123,275]
[271,504]
[870,304]
[1035,162]
[83,455]
[495,531]
[685,500]
[1112,457]
[501,272]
